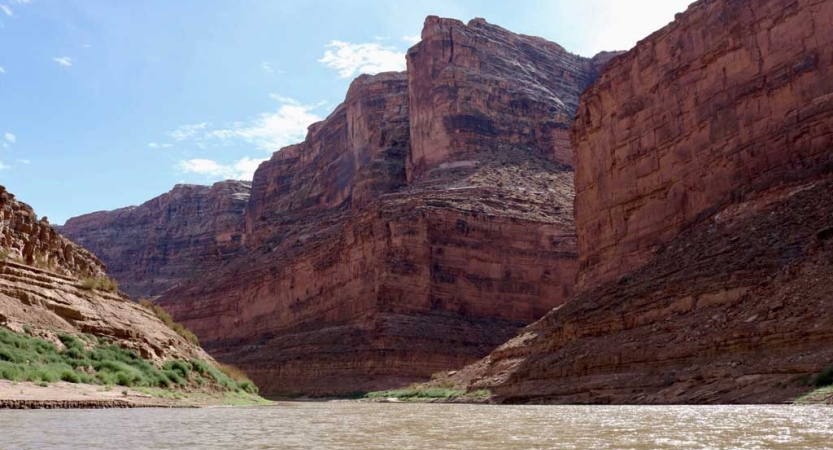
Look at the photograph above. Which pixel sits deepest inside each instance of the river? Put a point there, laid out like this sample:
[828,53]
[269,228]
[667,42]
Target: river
[348,425]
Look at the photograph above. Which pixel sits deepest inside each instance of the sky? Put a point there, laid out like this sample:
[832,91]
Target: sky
[109,103]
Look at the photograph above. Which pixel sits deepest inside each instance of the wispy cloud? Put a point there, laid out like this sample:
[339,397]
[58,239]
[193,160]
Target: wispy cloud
[21,2]
[370,58]
[2,70]
[63,61]
[280,98]
[24,161]
[7,10]
[10,138]
[267,67]
[242,169]
[268,131]
[188,131]
[157,145]
[411,39]
[3,166]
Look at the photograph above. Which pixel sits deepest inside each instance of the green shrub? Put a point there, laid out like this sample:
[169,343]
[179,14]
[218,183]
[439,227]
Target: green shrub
[86,359]
[825,378]
[182,368]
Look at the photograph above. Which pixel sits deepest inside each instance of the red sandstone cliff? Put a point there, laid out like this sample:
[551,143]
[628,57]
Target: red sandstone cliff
[479,88]
[367,267]
[703,168]
[178,235]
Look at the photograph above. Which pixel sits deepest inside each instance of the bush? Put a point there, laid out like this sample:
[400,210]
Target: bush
[86,359]
[825,378]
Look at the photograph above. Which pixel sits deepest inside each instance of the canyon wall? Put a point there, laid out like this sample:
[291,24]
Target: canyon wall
[731,101]
[703,174]
[366,269]
[178,235]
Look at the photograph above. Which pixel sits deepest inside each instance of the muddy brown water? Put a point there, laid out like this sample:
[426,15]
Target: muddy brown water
[346,425]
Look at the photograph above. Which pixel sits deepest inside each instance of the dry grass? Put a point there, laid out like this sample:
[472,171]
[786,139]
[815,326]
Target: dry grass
[100,284]
[169,321]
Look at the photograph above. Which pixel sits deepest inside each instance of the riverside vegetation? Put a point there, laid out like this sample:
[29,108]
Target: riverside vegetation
[94,360]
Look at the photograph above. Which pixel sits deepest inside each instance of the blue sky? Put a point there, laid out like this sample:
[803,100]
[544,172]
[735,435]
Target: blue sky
[108,103]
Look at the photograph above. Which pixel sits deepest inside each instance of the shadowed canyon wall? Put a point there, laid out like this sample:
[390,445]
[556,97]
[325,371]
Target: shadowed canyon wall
[178,235]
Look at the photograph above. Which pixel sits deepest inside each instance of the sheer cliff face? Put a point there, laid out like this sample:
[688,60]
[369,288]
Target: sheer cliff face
[703,167]
[358,278]
[478,88]
[691,121]
[346,161]
[175,236]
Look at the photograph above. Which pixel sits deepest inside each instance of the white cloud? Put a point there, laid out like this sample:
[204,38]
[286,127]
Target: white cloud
[24,161]
[7,10]
[22,2]
[187,131]
[2,70]
[268,131]
[411,39]
[273,130]
[3,166]
[64,61]
[242,169]
[10,137]
[372,58]
[158,145]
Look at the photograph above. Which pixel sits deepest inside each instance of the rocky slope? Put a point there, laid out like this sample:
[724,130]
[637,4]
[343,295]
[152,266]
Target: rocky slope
[703,168]
[175,236]
[42,286]
[419,226]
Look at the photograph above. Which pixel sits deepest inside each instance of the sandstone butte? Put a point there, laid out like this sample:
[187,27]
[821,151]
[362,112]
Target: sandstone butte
[418,227]
[41,287]
[703,164]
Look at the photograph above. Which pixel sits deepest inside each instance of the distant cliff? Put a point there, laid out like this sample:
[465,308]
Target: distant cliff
[175,236]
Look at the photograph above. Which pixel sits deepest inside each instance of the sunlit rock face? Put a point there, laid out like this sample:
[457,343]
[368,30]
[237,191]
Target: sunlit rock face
[371,262]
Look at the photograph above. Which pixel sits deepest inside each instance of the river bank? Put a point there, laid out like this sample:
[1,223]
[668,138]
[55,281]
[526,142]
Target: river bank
[62,395]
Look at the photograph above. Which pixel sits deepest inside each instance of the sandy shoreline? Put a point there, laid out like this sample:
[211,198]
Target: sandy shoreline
[28,395]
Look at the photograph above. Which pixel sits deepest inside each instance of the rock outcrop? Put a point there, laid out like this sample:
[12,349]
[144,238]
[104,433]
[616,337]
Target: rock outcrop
[703,169]
[423,223]
[25,238]
[178,235]
[44,289]
[479,88]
